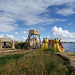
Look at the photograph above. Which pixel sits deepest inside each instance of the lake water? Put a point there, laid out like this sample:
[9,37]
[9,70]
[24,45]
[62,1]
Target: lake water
[69,47]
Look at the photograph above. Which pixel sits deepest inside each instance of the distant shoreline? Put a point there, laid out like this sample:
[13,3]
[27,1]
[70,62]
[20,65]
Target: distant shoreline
[67,42]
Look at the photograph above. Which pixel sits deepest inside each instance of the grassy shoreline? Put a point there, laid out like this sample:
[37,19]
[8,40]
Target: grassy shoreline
[34,63]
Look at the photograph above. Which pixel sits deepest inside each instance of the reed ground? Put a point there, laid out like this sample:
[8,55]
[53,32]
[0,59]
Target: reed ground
[32,62]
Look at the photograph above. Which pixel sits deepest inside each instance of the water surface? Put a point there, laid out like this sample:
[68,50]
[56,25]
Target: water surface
[69,47]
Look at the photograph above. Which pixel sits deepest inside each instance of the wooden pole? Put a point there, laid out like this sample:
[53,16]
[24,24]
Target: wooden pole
[33,41]
[13,47]
[40,41]
[0,45]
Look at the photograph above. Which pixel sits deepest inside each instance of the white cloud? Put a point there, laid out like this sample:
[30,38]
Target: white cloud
[8,36]
[6,23]
[40,28]
[23,32]
[32,28]
[49,37]
[6,27]
[70,24]
[64,34]
[65,11]
[15,24]
[71,5]
[24,38]
[16,33]
[13,37]
[12,11]
[69,9]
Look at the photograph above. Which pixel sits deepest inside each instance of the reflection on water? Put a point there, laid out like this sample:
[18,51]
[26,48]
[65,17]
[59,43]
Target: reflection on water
[69,47]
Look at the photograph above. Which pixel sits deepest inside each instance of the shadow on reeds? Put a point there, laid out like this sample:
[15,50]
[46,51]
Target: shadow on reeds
[8,58]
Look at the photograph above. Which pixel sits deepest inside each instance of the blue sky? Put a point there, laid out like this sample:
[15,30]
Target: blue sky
[17,17]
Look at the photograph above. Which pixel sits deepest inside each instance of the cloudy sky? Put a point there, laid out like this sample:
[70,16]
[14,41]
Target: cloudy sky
[54,18]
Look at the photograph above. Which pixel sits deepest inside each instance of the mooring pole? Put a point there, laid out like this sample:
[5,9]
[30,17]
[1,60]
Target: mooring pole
[40,41]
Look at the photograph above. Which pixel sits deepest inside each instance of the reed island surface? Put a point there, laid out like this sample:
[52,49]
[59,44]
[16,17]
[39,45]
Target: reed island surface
[42,62]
